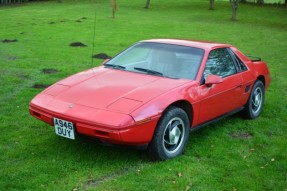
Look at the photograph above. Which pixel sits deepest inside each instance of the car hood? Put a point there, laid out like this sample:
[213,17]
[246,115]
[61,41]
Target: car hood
[110,89]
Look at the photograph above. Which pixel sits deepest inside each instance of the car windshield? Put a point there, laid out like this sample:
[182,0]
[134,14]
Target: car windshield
[166,60]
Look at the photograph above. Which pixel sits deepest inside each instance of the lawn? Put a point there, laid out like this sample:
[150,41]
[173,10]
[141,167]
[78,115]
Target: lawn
[233,154]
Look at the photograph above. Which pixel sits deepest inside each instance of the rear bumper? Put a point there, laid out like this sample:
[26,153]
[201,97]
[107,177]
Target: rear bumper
[138,134]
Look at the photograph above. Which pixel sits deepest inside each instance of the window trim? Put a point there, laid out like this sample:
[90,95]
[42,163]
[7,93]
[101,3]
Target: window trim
[235,60]
[235,64]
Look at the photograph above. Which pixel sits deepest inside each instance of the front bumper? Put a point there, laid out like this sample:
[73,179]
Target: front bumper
[137,134]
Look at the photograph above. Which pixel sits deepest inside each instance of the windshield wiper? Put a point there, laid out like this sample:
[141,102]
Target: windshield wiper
[148,71]
[115,66]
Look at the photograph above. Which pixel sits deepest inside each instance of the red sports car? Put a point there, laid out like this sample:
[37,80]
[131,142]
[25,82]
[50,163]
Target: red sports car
[154,93]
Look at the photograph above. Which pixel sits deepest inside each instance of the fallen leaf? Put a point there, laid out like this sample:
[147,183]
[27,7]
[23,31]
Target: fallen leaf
[138,172]
[179,174]
[272,159]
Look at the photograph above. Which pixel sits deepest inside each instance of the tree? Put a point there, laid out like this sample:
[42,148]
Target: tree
[234,6]
[211,4]
[9,1]
[147,5]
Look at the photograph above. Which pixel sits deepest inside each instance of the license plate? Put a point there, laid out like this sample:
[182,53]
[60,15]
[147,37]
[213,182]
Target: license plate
[64,128]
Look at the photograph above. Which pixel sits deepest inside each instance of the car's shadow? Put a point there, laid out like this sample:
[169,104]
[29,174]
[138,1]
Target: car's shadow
[89,152]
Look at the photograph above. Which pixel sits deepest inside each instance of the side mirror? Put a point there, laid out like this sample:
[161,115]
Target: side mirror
[213,79]
[105,61]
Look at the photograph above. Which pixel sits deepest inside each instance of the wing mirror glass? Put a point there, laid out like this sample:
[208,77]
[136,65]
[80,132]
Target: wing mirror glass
[213,79]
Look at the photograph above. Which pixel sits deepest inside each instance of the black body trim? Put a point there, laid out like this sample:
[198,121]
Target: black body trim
[247,88]
[192,129]
[254,58]
[106,143]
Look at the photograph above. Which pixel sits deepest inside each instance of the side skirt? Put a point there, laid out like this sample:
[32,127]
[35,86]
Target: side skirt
[195,128]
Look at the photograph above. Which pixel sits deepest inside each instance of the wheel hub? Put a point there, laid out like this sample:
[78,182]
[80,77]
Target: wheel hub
[173,135]
[256,100]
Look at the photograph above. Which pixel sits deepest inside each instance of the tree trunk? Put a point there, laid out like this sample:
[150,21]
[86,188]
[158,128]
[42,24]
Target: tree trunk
[147,5]
[260,2]
[233,17]
[211,4]
[234,6]
[114,6]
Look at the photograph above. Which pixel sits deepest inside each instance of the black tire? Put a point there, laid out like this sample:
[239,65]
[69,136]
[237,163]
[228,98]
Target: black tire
[255,103]
[171,135]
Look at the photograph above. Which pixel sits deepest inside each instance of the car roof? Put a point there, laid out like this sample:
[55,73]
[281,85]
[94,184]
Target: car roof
[192,43]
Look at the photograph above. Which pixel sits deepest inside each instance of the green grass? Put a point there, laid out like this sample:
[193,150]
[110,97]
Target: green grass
[32,157]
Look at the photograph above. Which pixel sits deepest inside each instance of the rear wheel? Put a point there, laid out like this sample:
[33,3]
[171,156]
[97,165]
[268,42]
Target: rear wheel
[171,135]
[255,102]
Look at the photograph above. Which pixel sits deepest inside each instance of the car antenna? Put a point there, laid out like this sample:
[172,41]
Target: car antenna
[94,39]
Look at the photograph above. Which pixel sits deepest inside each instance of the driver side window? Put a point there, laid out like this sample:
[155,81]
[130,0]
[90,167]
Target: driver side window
[219,63]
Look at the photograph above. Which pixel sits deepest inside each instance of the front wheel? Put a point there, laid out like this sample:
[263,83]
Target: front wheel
[255,102]
[171,135]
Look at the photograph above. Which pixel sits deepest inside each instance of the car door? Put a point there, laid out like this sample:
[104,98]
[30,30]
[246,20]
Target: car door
[219,99]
